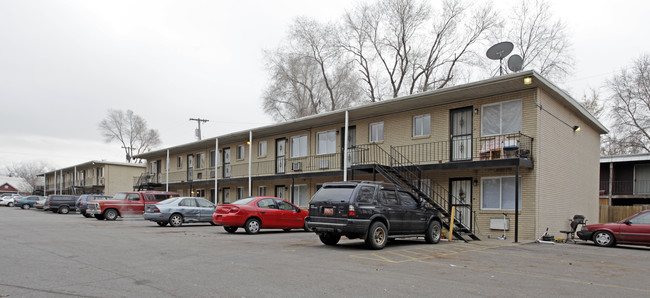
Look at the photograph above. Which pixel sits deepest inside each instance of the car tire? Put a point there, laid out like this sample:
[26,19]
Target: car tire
[99,216]
[176,220]
[604,238]
[377,236]
[329,238]
[110,214]
[10,204]
[64,210]
[433,233]
[230,230]
[26,206]
[161,223]
[252,226]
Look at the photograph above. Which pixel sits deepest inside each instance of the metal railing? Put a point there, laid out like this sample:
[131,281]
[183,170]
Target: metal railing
[626,187]
[470,149]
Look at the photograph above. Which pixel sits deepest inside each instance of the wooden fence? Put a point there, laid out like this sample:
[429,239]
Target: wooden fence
[616,213]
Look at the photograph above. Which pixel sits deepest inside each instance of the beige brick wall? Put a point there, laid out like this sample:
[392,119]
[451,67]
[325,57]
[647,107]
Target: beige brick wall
[568,168]
[119,178]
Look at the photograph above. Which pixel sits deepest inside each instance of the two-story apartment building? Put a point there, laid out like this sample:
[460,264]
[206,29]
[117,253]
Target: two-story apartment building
[93,177]
[515,142]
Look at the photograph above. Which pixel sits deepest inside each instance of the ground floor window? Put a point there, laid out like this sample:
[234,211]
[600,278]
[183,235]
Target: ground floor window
[226,195]
[300,195]
[240,193]
[498,193]
[261,191]
[200,193]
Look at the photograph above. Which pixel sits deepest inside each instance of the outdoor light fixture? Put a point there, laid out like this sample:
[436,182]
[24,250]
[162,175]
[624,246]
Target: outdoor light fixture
[576,128]
[475,111]
[528,80]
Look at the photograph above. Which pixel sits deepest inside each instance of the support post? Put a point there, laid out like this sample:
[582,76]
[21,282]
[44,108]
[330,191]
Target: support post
[345,148]
[517,203]
[167,172]
[250,161]
[216,172]
[451,223]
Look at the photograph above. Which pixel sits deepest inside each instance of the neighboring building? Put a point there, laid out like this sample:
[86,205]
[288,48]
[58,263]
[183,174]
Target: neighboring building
[93,177]
[459,146]
[14,185]
[625,180]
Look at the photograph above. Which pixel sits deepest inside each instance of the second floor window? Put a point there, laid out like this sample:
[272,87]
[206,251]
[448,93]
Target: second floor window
[326,143]
[213,160]
[501,118]
[200,160]
[376,132]
[261,149]
[299,146]
[241,152]
[179,162]
[422,125]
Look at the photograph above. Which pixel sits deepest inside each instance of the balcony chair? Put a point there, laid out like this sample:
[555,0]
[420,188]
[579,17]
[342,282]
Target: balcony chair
[574,223]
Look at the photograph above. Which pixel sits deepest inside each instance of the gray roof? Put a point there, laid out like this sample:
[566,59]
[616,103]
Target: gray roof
[93,163]
[471,91]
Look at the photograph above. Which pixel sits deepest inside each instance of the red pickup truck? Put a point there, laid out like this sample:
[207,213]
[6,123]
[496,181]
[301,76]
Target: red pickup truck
[126,203]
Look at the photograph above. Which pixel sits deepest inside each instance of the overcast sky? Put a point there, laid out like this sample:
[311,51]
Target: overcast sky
[63,64]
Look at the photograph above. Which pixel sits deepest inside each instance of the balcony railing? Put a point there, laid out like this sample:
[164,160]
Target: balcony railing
[626,187]
[470,149]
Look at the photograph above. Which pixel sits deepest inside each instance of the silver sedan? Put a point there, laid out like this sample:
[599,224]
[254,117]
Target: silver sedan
[179,210]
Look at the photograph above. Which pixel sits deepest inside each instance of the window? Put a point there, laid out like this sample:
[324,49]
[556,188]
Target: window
[326,143]
[641,219]
[241,151]
[261,191]
[213,159]
[240,192]
[200,193]
[300,195]
[267,204]
[179,162]
[422,125]
[226,195]
[299,146]
[407,200]
[388,197]
[501,118]
[498,193]
[366,195]
[200,160]
[100,172]
[377,132]
[188,202]
[261,149]
[283,205]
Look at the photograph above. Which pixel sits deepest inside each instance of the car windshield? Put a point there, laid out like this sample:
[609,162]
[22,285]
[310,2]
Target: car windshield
[168,201]
[333,193]
[243,201]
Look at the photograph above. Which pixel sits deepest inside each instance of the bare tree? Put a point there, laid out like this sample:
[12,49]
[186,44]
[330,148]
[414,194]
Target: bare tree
[540,39]
[130,130]
[630,108]
[308,75]
[591,102]
[29,170]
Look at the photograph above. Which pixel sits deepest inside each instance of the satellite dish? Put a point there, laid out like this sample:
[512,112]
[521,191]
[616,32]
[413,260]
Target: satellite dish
[515,62]
[500,50]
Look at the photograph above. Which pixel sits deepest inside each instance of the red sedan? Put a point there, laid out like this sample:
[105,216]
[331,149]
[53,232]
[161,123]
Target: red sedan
[632,230]
[257,213]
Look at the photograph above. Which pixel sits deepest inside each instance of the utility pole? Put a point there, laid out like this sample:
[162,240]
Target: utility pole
[129,153]
[198,121]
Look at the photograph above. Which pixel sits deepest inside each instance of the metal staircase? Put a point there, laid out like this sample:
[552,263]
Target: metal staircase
[399,170]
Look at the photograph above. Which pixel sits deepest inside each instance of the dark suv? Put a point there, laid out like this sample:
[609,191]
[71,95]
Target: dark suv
[62,204]
[82,202]
[372,211]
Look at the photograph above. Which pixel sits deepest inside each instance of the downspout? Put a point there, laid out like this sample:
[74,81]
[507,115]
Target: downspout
[61,182]
[250,162]
[216,172]
[517,201]
[167,172]
[74,183]
[345,148]
[611,183]
[54,182]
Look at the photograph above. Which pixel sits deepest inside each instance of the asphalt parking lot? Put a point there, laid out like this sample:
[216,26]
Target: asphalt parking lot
[52,255]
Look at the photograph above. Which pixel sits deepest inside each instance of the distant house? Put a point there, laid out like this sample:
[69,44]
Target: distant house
[93,177]
[514,144]
[625,180]
[14,185]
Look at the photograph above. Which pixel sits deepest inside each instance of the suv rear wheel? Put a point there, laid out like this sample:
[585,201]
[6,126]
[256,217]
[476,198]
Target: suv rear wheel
[64,210]
[433,233]
[329,238]
[377,235]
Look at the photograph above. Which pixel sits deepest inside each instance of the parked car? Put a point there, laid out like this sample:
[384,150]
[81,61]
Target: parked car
[632,230]
[82,202]
[371,211]
[62,204]
[179,210]
[257,213]
[7,201]
[27,202]
[126,203]
[40,203]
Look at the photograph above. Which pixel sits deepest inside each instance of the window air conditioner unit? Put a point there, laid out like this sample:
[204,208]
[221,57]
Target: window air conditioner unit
[296,166]
[324,164]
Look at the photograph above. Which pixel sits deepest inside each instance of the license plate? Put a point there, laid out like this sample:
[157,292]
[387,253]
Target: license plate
[328,211]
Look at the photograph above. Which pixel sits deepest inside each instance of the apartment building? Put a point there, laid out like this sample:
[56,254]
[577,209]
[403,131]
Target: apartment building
[625,180]
[93,177]
[485,149]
